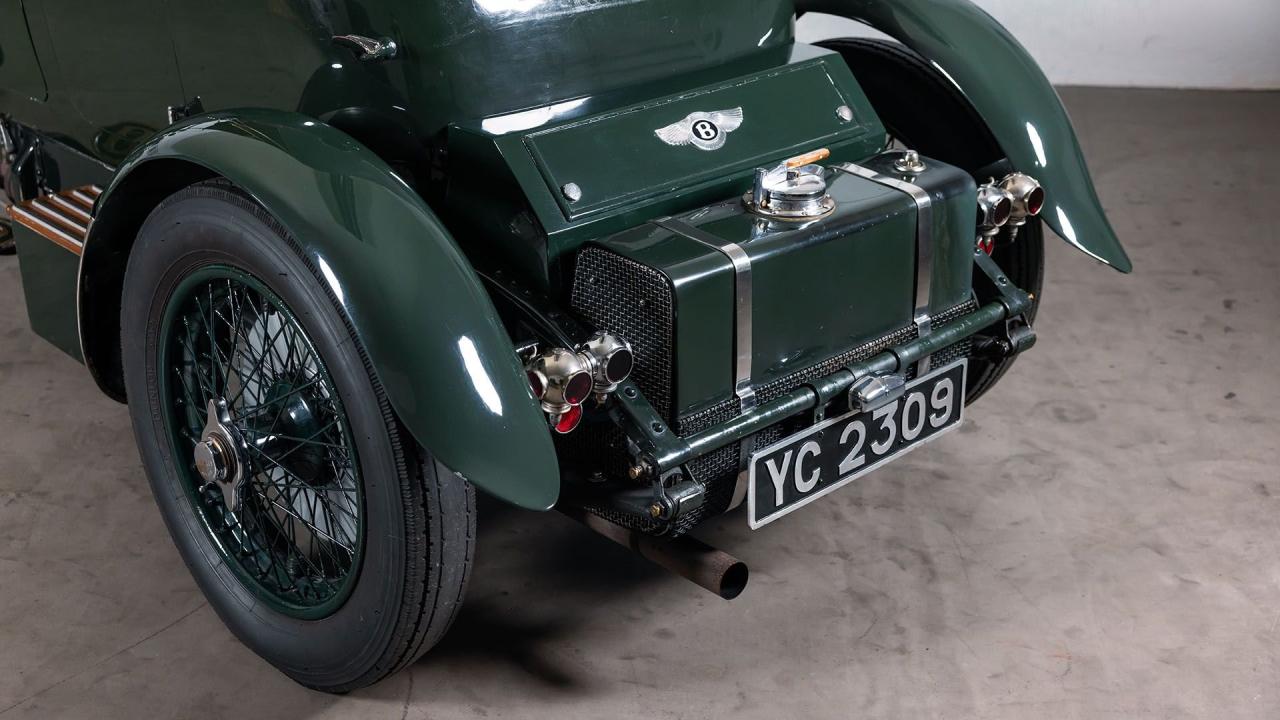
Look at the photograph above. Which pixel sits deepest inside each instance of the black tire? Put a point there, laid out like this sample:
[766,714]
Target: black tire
[418,517]
[925,111]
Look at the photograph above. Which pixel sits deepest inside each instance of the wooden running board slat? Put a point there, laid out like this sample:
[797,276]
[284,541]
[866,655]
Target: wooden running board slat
[61,218]
[55,214]
[75,209]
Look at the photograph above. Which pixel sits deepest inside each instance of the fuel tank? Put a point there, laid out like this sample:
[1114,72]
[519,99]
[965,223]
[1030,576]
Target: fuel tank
[814,290]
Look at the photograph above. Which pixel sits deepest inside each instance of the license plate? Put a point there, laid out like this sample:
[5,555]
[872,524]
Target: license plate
[802,468]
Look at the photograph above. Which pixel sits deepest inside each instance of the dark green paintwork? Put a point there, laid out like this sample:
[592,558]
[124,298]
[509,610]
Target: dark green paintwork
[587,82]
[617,159]
[49,282]
[122,63]
[1005,86]
[627,174]
[703,290]
[419,310]
[19,68]
[479,58]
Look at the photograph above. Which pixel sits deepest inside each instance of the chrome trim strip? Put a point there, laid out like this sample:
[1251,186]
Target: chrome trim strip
[742,387]
[924,245]
[742,303]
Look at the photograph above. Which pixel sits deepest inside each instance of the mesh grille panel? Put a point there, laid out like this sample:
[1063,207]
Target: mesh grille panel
[615,293]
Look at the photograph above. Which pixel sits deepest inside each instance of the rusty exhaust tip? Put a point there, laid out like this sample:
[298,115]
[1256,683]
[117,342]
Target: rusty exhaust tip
[690,558]
[734,580]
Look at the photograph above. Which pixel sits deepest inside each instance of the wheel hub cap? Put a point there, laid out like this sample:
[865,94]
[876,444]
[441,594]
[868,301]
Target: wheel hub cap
[215,456]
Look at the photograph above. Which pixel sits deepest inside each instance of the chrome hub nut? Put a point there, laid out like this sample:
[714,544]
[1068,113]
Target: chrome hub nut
[215,455]
[210,462]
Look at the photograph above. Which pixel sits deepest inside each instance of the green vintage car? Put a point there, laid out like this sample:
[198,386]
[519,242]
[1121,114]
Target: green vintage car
[641,261]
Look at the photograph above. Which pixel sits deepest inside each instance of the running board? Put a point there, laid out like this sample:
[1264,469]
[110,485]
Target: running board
[62,218]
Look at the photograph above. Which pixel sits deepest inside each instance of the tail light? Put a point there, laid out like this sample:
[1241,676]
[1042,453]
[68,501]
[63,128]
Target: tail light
[995,208]
[569,421]
[560,379]
[610,358]
[1028,197]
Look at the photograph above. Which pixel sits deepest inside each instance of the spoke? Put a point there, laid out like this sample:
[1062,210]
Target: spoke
[294,438]
[195,361]
[295,538]
[251,409]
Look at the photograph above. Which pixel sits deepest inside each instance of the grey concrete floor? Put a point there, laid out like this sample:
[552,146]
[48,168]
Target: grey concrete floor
[1102,539]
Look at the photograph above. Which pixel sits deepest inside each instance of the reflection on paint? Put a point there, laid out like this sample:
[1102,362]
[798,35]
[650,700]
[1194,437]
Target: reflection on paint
[1068,233]
[332,279]
[529,119]
[480,379]
[943,70]
[498,6]
[1038,144]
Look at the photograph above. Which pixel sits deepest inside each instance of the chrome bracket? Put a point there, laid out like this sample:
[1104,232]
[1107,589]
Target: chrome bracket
[872,392]
[742,386]
[742,303]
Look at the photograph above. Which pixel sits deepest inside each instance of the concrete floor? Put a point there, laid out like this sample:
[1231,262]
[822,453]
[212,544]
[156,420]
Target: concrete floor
[1102,539]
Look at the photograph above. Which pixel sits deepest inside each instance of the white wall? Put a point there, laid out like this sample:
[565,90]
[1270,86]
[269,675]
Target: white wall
[1133,43]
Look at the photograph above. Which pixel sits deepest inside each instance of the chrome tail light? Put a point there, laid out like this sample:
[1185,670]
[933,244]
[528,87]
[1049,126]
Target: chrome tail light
[610,358]
[560,379]
[995,207]
[563,379]
[1028,197]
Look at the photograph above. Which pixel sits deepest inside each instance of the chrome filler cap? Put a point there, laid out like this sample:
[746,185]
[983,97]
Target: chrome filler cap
[795,190]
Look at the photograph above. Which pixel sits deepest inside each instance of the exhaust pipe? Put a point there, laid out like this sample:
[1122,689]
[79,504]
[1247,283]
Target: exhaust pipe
[691,559]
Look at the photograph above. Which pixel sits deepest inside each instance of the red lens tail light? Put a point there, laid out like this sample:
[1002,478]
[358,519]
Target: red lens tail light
[578,389]
[1035,201]
[569,421]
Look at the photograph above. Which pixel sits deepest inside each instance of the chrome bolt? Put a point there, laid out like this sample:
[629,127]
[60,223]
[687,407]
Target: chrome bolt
[910,162]
[571,192]
[845,113]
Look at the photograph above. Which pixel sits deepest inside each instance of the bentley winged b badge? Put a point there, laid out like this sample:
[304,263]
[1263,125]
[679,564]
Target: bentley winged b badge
[703,130]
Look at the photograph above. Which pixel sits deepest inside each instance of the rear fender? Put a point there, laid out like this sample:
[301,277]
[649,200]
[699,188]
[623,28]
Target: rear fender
[408,292]
[1008,89]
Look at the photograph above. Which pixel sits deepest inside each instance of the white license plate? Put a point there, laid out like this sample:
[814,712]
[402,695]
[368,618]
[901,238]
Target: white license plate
[803,467]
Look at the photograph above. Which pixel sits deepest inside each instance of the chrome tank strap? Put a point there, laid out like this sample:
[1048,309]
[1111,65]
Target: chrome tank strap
[742,303]
[924,246]
[741,331]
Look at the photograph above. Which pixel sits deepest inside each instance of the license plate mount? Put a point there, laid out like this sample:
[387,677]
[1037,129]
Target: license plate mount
[803,467]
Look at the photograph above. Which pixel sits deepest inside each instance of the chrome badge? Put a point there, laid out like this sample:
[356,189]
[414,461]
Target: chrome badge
[703,130]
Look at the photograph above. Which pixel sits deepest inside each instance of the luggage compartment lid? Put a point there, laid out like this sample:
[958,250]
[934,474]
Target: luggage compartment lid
[624,157]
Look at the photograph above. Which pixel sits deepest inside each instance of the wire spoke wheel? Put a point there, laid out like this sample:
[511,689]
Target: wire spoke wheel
[262,441]
[327,539]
